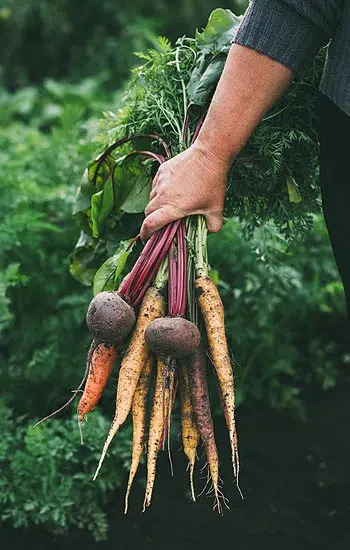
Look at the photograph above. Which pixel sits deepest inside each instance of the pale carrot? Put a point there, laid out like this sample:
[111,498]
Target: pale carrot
[189,430]
[213,314]
[152,307]
[156,430]
[139,409]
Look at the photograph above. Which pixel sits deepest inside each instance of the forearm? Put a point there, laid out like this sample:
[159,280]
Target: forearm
[250,84]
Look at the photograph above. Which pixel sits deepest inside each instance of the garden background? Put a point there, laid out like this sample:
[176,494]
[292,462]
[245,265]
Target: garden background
[61,65]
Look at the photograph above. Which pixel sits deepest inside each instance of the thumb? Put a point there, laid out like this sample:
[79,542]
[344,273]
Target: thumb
[156,220]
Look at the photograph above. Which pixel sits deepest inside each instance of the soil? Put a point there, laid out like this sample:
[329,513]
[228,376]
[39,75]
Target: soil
[295,477]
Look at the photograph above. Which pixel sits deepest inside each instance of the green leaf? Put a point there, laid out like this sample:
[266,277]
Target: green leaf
[86,258]
[220,30]
[84,193]
[138,198]
[104,171]
[106,277]
[132,186]
[102,204]
[293,191]
[201,87]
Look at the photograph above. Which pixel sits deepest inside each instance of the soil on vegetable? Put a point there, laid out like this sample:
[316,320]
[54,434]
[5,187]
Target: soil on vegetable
[295,477]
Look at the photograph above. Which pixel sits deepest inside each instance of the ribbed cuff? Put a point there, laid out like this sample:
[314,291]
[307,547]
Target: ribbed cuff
[274,29]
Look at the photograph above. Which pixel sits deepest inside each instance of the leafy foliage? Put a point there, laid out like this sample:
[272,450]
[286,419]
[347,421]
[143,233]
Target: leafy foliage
[285,312]
[47,475]
[37,178]
[73,40]
[274,177]
[284,308]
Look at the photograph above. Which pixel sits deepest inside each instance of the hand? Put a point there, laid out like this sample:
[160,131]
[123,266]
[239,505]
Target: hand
[193,182]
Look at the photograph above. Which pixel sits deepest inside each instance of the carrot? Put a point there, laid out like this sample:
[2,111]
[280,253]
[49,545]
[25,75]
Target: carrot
[190,434]
[213,314]
[169,393]
[168,397]
[196,365]
[152,307]
[100,366]
[82,382]
[139,406]
[156,430]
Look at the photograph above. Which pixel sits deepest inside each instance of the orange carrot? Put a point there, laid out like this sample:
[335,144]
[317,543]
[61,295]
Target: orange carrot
[100,366]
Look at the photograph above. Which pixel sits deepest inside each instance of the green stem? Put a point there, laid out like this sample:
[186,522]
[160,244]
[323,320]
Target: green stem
[162,276]
[201,251]
[184,93]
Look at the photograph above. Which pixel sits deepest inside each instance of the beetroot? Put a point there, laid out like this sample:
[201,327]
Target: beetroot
[109,318]
[172,336]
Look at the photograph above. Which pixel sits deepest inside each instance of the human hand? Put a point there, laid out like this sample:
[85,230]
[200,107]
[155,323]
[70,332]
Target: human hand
[193,182]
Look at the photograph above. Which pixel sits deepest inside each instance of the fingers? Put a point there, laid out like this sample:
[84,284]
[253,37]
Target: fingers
[153,205]
[214,222]
[156,220]
[154,189]
[153,193]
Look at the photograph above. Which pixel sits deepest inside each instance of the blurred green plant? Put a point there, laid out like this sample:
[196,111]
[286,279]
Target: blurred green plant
[56,103]
[72,40]
[43,337]
[285,312]
[47,475]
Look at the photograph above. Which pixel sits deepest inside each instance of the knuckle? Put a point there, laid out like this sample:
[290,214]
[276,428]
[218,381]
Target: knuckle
[148,224]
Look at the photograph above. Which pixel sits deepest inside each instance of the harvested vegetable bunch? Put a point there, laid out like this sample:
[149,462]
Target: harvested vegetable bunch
[164,320]
[166,101]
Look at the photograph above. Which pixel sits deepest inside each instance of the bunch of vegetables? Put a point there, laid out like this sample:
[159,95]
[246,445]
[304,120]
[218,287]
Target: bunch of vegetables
[273,179]
[180,325]
[166,351]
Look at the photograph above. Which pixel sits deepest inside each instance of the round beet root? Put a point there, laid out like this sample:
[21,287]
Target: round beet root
[172,336]
[109,318]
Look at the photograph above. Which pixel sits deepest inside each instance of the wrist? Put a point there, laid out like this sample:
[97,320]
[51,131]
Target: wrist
[208,155]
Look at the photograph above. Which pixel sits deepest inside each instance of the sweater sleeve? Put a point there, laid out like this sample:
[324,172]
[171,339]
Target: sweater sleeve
[289,31]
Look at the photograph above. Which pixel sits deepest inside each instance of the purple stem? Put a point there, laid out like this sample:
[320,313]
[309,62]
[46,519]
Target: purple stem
[185,127]
[198,127]
[149,154]
[124,288]
[121,141]
[177,286]
[158,256]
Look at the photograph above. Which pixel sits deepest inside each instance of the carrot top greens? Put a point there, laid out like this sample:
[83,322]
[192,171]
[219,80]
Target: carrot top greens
[165,102]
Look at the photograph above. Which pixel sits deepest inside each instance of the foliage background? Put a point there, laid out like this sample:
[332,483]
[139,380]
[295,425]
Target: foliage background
[61,64]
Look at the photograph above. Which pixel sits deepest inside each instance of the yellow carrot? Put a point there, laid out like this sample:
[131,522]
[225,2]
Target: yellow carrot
[190,434]
[156,428]
[152,307]
[213,314]
[139,406]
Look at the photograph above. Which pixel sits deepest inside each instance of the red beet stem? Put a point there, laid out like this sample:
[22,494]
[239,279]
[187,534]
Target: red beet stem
[177,284]
[148,154]
[126,284]
[198,127]
[135,285]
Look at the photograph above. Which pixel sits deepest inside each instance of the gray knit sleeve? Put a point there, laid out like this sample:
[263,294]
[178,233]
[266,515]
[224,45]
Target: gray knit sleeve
[289,31]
